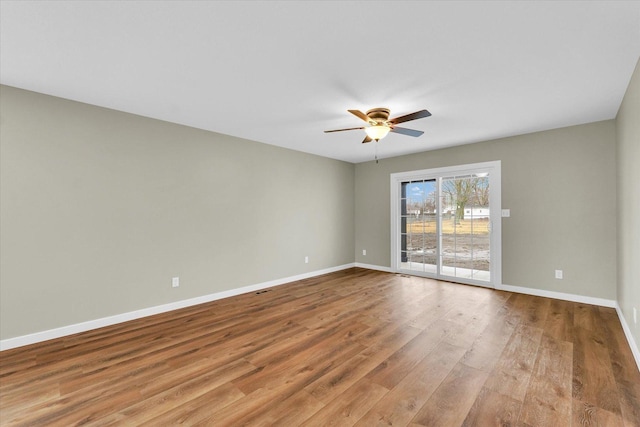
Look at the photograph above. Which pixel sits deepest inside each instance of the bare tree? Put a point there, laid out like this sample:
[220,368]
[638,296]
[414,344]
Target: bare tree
[481,192]
[458,190]
[463,190]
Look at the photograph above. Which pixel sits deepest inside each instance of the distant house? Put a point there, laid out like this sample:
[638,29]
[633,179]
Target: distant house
[476,213]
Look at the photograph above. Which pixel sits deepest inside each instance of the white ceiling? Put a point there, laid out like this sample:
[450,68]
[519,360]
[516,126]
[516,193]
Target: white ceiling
[282,72]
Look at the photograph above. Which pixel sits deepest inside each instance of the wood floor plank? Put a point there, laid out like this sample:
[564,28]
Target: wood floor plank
[292,411]
[486,349]
[317,357]
[452,400]
[586,316]
[163,397]
[629,398]
[350,406]
[401,404]
[593,380]
[559,322]
[335,382]
[514,368]
[586,414]
[434,311]
[534,310]
[548,401]
[622,360]
[623,366]
[247,408]
[194,411]
[352,347]
[402,362]
[493,409]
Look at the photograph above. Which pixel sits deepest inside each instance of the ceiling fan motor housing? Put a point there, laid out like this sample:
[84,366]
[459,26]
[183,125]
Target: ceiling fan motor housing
[378,115]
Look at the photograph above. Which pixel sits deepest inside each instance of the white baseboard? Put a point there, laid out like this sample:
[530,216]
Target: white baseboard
[627,333]
[373,267]
[558,295]
[137,314]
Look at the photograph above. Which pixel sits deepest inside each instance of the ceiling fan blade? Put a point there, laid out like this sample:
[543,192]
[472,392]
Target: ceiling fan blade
[367,139]
[340,130]
[359,114]
[413,116]
[405,131]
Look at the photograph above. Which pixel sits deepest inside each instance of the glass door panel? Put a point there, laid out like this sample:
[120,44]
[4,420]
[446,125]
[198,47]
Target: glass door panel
[418,225]
[465,250]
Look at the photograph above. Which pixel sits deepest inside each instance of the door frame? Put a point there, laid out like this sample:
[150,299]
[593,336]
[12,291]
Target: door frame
[495,203]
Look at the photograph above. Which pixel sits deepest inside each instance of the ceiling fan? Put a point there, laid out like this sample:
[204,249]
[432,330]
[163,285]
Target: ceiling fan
[381,125]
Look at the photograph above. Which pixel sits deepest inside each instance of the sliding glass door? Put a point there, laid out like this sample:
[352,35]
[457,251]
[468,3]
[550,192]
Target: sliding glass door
[446,223]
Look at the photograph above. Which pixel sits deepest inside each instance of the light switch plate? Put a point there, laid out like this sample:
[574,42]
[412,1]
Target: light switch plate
[506,213]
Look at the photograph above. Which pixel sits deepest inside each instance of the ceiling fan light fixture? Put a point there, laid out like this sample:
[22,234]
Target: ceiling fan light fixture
[379,124]
[377,132]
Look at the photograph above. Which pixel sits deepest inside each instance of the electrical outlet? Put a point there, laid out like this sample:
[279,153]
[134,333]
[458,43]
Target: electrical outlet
[175,282]
[306,260]
[558,274]
[364,252]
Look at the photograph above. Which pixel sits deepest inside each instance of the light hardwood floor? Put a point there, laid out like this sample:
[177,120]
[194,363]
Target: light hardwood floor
[356,347]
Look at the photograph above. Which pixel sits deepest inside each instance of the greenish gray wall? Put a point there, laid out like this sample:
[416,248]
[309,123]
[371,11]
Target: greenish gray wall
[628,144]
[560,187]
[99,209]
